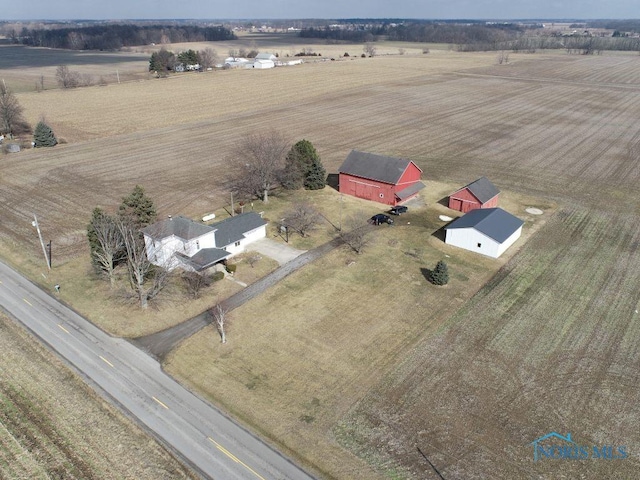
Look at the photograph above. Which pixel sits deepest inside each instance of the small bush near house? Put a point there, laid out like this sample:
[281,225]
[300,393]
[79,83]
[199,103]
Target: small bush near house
[217,276]
[231,268]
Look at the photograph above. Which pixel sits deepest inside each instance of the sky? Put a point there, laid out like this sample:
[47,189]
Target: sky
[281,9]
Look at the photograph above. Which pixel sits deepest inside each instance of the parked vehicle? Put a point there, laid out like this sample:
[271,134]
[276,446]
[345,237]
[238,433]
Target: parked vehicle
[398,210]
[381,218]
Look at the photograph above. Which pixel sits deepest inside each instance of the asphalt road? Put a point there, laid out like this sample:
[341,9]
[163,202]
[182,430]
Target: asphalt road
[208,441]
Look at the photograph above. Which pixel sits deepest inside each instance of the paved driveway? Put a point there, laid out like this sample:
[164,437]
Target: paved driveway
[279,251]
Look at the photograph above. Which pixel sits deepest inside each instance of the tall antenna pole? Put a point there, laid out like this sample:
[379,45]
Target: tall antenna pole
[44,249]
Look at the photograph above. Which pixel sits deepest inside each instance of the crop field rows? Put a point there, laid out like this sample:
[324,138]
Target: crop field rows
[53,426]
[457,127]
[520,360]
[526,356]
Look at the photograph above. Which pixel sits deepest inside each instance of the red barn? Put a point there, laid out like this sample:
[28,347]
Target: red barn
[479,194]
[381,179]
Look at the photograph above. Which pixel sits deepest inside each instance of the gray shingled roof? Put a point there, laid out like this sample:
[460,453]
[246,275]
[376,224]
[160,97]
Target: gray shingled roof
[374,167]
[482,189]
[495,223]
[410,190]
[204,258]
[233,229]
[181,227]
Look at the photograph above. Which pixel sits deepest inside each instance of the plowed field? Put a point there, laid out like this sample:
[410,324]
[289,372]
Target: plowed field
[549,344]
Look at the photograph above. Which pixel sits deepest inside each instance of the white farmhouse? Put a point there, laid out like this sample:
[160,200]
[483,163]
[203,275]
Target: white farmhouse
[266,56]
[181,242]
[488,231]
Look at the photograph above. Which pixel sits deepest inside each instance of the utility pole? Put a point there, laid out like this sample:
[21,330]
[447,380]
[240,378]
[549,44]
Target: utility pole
[44,250]
[50,258]
[118,75]
[232,209]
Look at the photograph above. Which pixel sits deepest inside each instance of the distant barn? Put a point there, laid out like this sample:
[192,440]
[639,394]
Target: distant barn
[378,178]
[478,194]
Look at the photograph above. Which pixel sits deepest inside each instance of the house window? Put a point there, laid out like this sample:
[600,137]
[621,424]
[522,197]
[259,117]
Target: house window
[237,244]
[479,245]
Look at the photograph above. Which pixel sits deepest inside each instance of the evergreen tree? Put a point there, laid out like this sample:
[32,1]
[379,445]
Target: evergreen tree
[138,208]
[316,178]
[304,167]
[43,135]
[162,61]
[440,274]
[190,57]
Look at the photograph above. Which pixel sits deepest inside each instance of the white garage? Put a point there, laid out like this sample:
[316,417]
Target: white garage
[487,231]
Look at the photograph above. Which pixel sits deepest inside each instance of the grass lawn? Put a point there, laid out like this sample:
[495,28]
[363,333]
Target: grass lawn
[300,356]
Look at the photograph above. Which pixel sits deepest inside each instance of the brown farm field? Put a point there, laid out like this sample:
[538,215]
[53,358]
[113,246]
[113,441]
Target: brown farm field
[53,426]
[549,343]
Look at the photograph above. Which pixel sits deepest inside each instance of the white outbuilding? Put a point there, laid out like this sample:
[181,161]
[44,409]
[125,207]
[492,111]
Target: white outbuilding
[488,231]
[262,64]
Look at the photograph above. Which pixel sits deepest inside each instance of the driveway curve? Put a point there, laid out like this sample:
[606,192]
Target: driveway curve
[159,344]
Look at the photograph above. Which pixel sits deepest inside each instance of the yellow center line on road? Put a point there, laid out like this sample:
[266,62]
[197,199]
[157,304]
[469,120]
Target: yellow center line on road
[160,403]
[63,329]
[107,361]
[27,302]
[234,458]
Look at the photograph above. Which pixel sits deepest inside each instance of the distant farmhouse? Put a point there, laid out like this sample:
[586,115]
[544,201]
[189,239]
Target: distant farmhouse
[179,242]
[478,194]
[488,231]
[378,178]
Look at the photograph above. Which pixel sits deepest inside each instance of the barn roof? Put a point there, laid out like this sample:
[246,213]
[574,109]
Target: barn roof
[179,226]
[482,189]
[233,229]
[375,167]
[495,223]
[410,190]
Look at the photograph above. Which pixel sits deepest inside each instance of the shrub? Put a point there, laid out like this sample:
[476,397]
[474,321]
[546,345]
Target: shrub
[346,54]
[217,276]
[231,268]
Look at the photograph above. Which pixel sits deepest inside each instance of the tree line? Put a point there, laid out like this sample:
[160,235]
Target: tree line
[116,36]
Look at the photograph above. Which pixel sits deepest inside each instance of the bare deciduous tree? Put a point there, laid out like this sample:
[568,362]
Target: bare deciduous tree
[259,159]
[66,78]
[253,259]
[12,121]
[355,232]
[370,49]
[195,282]
[208,58]
[219,314]
[111,245]
[146,279]
[302,218]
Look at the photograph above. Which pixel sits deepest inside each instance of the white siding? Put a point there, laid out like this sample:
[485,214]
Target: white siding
[475,241]
[509,241]
[249,237]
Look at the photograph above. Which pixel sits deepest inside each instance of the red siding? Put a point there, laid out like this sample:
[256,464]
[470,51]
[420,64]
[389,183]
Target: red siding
[464,201]
[367,189]
[378,191]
